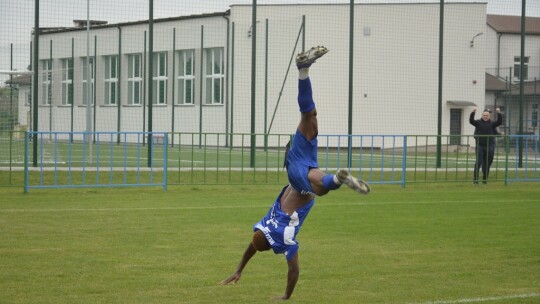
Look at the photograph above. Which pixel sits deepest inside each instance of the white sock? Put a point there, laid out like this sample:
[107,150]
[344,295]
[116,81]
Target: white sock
[337,181]
[303,73]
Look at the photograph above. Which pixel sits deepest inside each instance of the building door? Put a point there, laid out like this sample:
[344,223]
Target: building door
[455,126]
[534,118]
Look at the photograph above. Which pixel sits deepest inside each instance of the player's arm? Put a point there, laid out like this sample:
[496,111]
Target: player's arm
[471,117]
[499,118]
[292,277]
[248,254]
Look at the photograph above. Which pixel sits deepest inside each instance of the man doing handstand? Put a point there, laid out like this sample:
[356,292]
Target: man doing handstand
[277,230]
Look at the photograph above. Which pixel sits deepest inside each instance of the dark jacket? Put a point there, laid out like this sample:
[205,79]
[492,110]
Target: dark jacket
[485,128]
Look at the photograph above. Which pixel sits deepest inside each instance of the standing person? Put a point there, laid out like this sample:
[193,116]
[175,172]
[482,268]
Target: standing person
[484,133]
[277,230]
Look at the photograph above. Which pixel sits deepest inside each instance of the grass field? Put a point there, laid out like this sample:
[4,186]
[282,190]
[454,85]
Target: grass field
[428,243]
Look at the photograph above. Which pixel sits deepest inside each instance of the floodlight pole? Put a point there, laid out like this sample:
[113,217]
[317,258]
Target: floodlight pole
[351,83]
[439,108]
[35,83]
[88,86]
[11,116]
[253,80]
[521,74]
[11,89]
[150,80]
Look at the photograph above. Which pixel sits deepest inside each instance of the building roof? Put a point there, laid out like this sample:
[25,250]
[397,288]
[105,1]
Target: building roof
[512,24]
[82,23]
[494,83]
[529,88]
[95,24]
[25,79]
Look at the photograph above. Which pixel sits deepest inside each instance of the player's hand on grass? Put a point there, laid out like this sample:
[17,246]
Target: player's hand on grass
[234,278]
[280,298]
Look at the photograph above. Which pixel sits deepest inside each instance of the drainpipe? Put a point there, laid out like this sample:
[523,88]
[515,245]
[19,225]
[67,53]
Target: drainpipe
[118,93]
[499,54]
[226,17]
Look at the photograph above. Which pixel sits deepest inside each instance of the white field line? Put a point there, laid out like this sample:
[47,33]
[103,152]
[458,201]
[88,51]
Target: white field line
[429,160]
[488,299]
[258,206]
[247,169]
[146,169]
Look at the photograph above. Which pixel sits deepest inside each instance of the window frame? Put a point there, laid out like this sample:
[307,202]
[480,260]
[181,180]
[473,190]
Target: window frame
[85,81]
[110,80]
[214,75]
[159,78]
[67,81]
[47,82]
[517,66]
[185,80]
[134,79]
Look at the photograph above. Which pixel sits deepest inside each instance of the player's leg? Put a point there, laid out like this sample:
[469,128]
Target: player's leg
[323,183]
[303,62]
[307,58]
[305,92]
[352,182]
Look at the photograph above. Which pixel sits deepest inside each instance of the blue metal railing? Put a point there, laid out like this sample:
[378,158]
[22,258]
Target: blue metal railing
[120,159]
[523,158]
[372,155]
[94,159]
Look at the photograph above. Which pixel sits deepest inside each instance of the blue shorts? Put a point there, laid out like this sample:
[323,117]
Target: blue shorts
[297,173]
[300,159]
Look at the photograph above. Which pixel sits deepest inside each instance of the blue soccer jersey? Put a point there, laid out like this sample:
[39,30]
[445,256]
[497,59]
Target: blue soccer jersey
[301,157]
[280,229]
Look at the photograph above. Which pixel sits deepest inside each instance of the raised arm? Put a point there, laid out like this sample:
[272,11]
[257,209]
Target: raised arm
[499,118]
[471,117]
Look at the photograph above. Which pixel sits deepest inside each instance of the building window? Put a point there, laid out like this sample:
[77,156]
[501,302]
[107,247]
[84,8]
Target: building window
[186,77]
[134,79]
[159,78]
[28,99]
[46,81]
[214,76]
[534,115]
[517,67]
[67,81]
[88,68]
[111,80]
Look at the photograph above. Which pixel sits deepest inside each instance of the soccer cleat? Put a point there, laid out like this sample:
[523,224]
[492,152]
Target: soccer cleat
[307,58]
[357,185]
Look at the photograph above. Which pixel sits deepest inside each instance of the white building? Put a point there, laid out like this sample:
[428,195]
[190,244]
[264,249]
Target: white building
[207,59]
[503,70]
